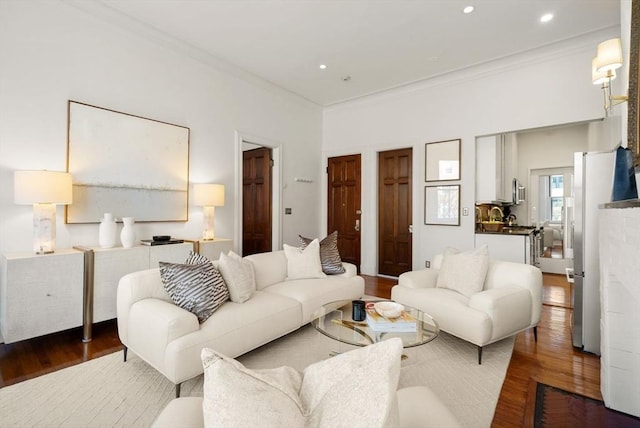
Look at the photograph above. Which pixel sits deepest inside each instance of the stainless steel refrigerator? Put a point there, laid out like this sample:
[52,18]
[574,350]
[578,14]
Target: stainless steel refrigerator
[592,185]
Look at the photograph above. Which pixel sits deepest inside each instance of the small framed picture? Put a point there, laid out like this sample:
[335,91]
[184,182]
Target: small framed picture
[442,161]
[442,205]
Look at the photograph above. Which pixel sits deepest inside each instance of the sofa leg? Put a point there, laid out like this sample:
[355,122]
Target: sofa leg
[479,355]
[125,353]
[178,390]
[535,333]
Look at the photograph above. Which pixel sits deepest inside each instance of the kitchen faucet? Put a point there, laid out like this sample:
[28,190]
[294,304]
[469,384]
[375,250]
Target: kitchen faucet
[492,217]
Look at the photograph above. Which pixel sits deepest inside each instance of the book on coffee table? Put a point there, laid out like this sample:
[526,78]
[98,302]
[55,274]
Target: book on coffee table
[405,323]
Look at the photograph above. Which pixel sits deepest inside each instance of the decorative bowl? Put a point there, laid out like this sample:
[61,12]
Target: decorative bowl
[492,226]
[388,309]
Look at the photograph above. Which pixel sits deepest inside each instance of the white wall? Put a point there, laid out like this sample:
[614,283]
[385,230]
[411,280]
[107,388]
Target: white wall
[541,88]
[52,51]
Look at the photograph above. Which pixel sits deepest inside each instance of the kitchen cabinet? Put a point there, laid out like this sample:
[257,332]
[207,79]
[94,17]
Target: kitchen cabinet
[507,247]
[496,167]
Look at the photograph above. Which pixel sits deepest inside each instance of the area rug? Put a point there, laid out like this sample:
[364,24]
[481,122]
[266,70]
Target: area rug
[556,407]
[107,392]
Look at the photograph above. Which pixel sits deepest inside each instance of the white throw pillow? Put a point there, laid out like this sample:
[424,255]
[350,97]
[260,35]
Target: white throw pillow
[357,388]
[464,272]
[238,275]
[304,263]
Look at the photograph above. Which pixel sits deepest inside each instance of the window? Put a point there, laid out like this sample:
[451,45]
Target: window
[556,197]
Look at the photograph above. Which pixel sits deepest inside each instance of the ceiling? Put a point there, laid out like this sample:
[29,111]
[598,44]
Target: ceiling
[368,45]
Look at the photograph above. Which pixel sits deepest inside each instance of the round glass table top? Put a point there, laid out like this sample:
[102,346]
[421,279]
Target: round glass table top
[335,320]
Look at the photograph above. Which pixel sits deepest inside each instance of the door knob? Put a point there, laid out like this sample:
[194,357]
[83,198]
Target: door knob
[410,228]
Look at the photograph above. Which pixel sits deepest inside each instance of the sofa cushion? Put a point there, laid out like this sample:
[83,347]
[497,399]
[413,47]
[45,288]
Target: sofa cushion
[327,393]
[329,254]
[464,272]
[269,268]
[198,288]
[239,276]
[304,263]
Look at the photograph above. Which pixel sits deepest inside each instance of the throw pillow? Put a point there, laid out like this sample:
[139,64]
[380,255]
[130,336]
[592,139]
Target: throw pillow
[329,254]
[464,272]
[198,288]
[239,276]
[357,388]
[305,263]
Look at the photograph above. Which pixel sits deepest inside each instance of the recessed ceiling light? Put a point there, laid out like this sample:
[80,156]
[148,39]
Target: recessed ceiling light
[468,9]
[323,66]
[546,17]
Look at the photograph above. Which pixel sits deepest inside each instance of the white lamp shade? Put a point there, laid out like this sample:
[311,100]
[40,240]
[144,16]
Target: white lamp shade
[208,195]
[609,56]
[600,77]
[37,187]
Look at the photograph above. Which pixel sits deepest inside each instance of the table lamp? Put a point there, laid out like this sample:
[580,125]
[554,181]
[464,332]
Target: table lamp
[44,190]
[208,196]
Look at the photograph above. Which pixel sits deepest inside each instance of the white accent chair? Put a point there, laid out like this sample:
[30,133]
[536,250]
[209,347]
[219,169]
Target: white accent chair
[510,302]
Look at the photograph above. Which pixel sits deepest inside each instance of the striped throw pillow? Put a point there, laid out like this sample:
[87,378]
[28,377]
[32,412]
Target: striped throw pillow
[197,288]
[329,254]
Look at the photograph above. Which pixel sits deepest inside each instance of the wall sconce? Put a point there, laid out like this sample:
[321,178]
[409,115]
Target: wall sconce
[208,196]
[603,71]
[44,190]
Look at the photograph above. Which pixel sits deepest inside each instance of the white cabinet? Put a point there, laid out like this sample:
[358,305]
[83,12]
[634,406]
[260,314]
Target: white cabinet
[510,248]
[211,249]
[109,265]
[496,167]
[40,294]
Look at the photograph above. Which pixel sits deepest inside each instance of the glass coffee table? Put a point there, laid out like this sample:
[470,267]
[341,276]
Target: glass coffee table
[334,320]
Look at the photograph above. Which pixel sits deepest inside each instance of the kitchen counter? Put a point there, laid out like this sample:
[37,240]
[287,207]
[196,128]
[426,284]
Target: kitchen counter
[510,230]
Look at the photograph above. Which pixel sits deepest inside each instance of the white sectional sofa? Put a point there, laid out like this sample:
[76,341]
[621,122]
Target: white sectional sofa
[510,301]
[170,338]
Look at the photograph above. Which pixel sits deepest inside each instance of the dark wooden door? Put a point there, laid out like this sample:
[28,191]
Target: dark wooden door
[394,211]
[344,205]
[256,201]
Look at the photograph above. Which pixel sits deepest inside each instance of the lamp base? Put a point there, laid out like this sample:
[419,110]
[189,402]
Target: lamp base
[207,223]
[44,228]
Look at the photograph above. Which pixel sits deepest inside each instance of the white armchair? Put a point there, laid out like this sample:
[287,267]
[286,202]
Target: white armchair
[509,302]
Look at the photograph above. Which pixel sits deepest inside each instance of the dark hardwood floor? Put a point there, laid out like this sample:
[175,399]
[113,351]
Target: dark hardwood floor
[551,360]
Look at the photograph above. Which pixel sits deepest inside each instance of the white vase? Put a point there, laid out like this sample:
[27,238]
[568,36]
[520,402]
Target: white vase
[107,231]
[128,233]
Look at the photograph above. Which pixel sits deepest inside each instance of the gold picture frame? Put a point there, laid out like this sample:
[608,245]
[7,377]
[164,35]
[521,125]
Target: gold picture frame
[633,123]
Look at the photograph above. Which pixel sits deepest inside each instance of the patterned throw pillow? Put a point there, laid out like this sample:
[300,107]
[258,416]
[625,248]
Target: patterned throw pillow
[329,254]
[197,288]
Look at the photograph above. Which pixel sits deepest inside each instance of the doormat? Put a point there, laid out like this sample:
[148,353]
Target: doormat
[558,408]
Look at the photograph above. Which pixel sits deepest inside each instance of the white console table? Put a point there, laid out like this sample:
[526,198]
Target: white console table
[40,294]
[211,249]
[111,264]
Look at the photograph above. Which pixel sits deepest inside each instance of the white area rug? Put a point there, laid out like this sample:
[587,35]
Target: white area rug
[107,392]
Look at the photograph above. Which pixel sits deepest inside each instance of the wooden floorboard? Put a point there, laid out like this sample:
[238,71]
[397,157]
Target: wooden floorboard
[551,360]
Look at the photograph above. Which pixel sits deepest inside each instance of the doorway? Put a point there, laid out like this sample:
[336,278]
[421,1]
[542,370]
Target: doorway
[256,200]
[550,188]
[395,211]
[343,205]
[249,143]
